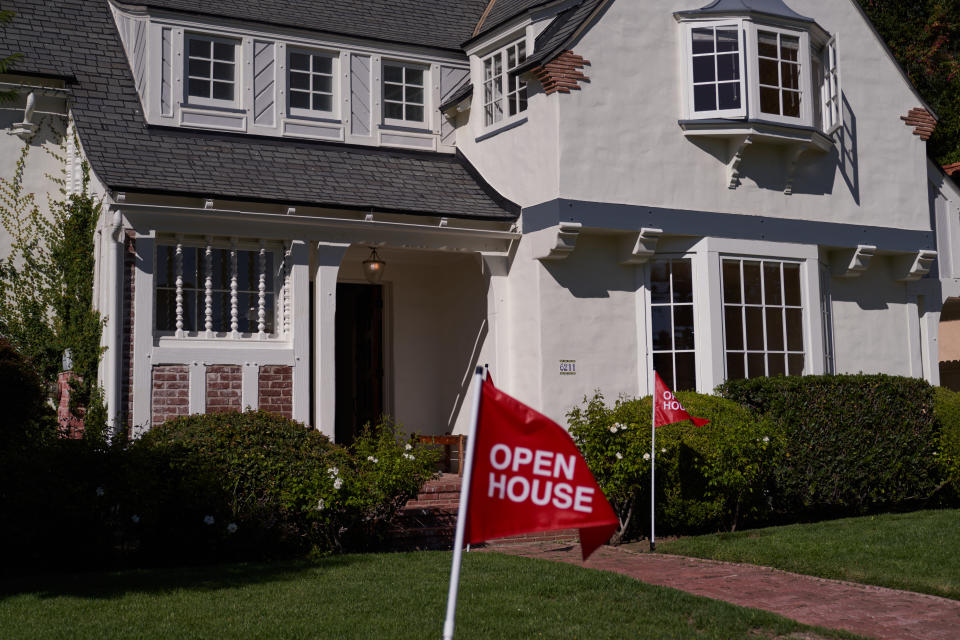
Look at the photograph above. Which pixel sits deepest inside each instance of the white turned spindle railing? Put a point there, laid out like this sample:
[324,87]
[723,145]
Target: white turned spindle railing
[234,311]
[178,265]
[208,290]
[262,297]
[286,291]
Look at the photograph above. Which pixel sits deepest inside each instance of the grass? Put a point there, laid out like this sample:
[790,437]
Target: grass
[912,551]
[394,596]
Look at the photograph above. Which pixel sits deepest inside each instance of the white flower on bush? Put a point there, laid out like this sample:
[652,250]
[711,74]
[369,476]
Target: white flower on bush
[663,450]
[135,519]
[409,456]
[321,504]
[338,483]
[408,447]
[372,459]
[614,428]
[208,519]
[100,492]
[766,438]
[646,456]
[333,471]
[619,456]
[232,527]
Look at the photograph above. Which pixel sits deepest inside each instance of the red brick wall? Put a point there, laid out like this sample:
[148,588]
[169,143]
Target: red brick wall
[126,339]
[276,389]
[224,383]
[171,392]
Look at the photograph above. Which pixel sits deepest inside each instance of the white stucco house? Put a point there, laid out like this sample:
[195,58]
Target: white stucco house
[333,209]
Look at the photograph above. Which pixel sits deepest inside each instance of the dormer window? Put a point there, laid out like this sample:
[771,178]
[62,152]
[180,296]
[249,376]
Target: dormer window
[504,92]
[404,98]
[211,70]
[311,86]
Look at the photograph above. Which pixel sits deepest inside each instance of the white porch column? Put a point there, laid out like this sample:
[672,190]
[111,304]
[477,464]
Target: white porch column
[113,310]
[300,327]
[328,258]
[142,334]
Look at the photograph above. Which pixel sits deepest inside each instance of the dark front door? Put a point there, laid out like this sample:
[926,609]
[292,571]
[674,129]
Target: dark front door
[359,358]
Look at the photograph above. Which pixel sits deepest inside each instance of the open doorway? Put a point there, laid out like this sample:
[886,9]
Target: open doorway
[359,354]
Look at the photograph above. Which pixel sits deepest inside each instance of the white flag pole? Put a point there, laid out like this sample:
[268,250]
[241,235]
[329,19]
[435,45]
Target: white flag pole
[653,455]
[462,510]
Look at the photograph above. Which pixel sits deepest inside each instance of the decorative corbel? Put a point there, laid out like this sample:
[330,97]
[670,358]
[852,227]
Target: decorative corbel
[792,163]
[208,203]
[738,146]
[853,262]
[291,211]
[565,241]
[915,266]
[25,129]
[641,246]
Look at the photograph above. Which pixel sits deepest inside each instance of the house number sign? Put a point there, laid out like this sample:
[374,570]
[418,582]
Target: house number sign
[568,367]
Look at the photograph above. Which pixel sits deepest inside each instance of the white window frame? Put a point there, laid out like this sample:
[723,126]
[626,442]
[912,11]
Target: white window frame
[753,77]
[831,87]
[501,85]
[280,268]
[403,122]
[300,112]
[804,309]
[688,66]
[668,258]
[236,43]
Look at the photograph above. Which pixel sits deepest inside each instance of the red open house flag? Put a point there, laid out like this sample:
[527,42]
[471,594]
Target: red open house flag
[667,409]
[529,476]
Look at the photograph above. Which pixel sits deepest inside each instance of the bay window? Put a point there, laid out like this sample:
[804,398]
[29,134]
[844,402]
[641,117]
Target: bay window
[762,318]
[671,323]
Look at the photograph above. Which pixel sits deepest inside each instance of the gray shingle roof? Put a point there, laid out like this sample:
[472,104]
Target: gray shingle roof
[766,7]
[434,23]
[77,38]
[504,10]
[561,32]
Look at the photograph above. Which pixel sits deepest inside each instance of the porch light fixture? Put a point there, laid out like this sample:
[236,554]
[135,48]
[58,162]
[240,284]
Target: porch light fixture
[373,267]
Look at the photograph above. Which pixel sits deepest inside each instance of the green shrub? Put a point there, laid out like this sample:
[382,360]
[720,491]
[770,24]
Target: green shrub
[254,484]
[947,411]
[27,421]
[852,443]
[717,476]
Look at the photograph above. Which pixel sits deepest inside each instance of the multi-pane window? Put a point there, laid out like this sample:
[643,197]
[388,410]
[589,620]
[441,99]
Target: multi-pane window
[211,69]
[403,93]
[310,82]
[830,91]
[215,289]
[778,60]
[717,68]
[763,318]
[504,92]
[671,323]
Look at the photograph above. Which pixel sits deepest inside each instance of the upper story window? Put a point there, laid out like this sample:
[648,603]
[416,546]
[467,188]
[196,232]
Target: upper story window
[211,70]
[404,94]
[311,85]
[504,92]
[784,72]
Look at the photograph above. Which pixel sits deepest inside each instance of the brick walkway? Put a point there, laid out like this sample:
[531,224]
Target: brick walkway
[869,611]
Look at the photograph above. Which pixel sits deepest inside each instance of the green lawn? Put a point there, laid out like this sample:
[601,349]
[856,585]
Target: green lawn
[913,551]
[370,596]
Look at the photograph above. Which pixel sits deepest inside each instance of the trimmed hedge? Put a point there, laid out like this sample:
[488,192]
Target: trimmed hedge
[852,443]
[947,411]
[708,478]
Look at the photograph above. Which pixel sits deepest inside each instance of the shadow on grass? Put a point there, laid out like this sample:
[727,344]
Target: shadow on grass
[115,584]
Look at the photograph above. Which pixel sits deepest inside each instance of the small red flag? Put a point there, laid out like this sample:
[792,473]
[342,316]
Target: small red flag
[667,409]
[528,476]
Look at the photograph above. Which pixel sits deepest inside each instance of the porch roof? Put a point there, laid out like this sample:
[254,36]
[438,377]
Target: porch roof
[78,40]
